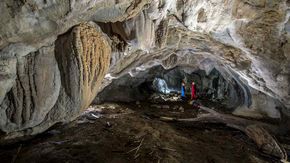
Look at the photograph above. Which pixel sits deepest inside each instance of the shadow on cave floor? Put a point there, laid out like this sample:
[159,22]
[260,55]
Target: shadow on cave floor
[130,132]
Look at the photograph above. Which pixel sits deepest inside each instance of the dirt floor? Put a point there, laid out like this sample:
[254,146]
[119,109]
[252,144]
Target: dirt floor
[133,133]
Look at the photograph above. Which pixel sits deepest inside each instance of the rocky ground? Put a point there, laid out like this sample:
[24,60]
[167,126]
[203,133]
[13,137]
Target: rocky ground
[133,133]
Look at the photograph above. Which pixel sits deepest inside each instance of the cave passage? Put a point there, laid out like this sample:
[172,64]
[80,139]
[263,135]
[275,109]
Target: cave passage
[211,88]
[137,119]
[101,81]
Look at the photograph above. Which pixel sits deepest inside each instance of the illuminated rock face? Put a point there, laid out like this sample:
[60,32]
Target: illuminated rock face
[56,83]
[246,40]
[48,62]
[83,58]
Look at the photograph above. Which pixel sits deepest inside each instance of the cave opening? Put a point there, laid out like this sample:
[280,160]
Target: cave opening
[212,89]
[148,103]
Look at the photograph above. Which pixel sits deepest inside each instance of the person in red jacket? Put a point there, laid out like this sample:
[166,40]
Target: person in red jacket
[193,91]
[195,104]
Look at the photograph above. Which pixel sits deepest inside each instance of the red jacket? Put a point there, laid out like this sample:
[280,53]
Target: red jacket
[193,94]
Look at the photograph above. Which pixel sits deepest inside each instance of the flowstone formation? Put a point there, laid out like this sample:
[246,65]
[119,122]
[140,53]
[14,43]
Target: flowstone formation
[54,84]
[55,56]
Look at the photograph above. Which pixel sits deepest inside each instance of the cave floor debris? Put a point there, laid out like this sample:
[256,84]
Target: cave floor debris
[132,133]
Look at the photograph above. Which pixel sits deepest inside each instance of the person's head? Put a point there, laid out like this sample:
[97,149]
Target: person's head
[193,82]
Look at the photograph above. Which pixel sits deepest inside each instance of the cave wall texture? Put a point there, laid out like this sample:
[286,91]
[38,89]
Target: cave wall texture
[55,56]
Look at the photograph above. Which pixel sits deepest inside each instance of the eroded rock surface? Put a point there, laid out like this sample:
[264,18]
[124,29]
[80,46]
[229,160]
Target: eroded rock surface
[34,93]
[56,83]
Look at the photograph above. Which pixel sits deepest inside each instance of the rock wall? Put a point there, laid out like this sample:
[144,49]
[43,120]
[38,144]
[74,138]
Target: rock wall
[206,34]
[29,25]
[35,92]
[54,84]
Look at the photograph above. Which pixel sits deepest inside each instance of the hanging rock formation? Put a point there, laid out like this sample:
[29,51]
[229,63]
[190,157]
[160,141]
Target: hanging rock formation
[83,57]
[56,83]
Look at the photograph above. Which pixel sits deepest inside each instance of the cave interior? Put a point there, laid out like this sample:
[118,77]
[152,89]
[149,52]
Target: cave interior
[101,81]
